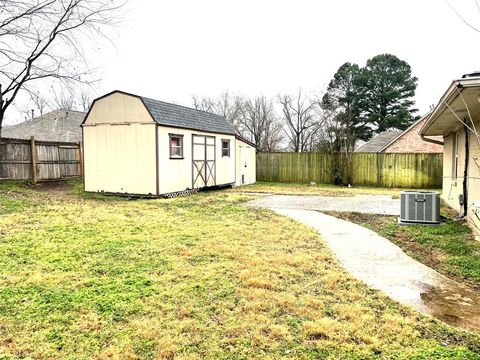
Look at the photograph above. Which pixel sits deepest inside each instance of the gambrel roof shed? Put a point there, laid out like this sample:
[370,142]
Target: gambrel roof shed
[179,116]
[140,146]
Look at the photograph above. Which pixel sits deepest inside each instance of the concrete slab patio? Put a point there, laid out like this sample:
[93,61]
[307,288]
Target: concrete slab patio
[380,263]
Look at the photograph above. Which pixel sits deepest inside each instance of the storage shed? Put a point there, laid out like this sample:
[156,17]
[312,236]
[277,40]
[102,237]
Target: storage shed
[139,146]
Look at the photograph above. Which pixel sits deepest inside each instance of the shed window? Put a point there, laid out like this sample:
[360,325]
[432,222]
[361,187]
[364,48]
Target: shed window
[225,147]
[455,156]
[176,146]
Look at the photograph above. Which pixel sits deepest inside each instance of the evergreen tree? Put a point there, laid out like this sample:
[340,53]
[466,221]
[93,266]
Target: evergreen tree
[385,94]
[341,102]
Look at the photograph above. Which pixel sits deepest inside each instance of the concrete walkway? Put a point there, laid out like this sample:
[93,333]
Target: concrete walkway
[369,204]
[384,266]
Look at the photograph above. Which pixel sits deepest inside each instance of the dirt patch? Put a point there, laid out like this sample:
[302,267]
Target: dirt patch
[50,186]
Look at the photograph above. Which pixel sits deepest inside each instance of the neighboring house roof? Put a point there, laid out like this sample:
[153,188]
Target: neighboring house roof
[57,125]
[384,140]
[180,116]
[379,142]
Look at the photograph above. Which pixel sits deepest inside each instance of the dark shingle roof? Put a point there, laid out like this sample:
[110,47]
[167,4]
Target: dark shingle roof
[184,117]
[57,125]
[377,143]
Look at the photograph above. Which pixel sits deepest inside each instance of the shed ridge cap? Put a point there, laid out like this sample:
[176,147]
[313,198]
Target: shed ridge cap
[182,106]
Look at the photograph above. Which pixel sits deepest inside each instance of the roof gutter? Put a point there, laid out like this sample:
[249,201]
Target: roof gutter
[452,91]
[435,112]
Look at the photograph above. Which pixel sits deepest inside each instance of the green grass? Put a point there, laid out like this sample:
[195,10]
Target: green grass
[449,248]
[317,189]
[14,197]
[194,277]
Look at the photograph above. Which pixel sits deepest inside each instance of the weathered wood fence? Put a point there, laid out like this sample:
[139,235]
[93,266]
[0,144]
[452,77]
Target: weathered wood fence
[39,160]
[369,169]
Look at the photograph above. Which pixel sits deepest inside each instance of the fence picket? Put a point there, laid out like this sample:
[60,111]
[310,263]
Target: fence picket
[39,160]
[370,169]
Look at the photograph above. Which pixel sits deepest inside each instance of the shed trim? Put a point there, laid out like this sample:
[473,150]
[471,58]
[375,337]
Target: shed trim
[238,137]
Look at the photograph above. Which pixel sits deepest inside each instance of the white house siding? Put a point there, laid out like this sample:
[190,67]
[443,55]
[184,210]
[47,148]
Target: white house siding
[452,188]
[245,163]
[119,147]
[176,174]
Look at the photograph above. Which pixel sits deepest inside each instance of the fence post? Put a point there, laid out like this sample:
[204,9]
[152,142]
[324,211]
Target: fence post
[33,152]
[80,160]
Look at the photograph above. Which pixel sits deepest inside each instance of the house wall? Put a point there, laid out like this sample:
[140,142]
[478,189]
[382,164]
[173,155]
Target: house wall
[452,187]
[119,147]
[176,174]
[245,163]
[411,142]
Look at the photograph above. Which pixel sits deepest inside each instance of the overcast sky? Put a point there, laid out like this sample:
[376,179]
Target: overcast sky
[170,50]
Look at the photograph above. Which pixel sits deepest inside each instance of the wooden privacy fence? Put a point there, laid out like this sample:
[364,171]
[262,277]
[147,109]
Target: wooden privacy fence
[369,169]
[39,160]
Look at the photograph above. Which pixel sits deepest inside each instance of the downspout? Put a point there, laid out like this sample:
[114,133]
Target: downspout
[438,142]
[465,171]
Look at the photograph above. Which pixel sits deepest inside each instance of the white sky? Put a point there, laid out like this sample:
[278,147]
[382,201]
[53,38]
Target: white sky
[170,50]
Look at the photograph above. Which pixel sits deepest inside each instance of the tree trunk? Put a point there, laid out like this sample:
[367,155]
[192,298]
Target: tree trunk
[1,121]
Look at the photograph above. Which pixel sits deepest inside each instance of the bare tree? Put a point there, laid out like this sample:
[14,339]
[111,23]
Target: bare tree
[85,99]
[39,40]
[302,119]
[65,99]
[259,123]
[26,112]
[203,103]
[273,135]
[226,105]
[230,107]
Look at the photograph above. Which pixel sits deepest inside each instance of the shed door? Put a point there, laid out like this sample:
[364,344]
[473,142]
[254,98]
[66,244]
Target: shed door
[203,161]
[244,164]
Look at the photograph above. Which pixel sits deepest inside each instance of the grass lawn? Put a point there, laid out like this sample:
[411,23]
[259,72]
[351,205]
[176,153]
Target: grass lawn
[449,248]
[318,189]
[86,276]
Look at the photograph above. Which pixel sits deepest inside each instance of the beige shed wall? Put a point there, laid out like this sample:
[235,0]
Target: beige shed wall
[452,188]
[118,108]
[120,158]
[176,174]
[245,163]
[119,146]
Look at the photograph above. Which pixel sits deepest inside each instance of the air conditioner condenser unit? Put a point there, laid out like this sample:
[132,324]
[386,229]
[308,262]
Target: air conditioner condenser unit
[419,207]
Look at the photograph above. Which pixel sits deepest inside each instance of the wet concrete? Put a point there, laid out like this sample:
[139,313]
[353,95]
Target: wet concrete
[368,204]
[384,266]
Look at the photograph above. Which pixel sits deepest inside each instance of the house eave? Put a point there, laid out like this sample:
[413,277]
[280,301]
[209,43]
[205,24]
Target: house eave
[445,116]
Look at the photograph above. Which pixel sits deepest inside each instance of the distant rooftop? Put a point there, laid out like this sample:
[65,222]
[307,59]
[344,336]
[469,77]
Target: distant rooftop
[377,143]
[57,125]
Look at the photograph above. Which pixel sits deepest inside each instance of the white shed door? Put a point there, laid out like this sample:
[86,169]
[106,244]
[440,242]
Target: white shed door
[203,161]
[243,164]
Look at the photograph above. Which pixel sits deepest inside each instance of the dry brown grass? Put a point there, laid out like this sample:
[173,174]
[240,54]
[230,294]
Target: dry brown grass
[315,190]
[191,278]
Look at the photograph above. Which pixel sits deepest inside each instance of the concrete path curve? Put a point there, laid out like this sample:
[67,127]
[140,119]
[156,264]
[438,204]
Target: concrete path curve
[384,266]
[368,204]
